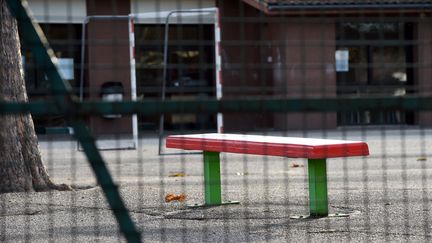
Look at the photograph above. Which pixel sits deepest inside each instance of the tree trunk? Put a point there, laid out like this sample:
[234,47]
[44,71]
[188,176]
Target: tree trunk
[21,166]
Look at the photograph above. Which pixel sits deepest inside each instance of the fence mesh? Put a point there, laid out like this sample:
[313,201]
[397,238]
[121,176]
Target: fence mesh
[200,120]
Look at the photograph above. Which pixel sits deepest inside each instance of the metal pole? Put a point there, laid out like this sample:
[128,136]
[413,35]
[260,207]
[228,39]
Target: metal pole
[165,67]
[131,30]
[164,81]
[83,41]
[218,69]
[318,199]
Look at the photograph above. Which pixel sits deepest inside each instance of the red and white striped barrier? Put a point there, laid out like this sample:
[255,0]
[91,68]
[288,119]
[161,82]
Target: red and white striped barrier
[133,77]
[218,68]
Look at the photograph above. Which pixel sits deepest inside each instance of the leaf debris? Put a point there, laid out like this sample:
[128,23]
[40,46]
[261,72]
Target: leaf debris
[177,174]
[172,197]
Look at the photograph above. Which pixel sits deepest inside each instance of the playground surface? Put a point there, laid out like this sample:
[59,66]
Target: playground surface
[385,195]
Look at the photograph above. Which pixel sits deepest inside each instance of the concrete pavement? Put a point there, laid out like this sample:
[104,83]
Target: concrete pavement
[387,195]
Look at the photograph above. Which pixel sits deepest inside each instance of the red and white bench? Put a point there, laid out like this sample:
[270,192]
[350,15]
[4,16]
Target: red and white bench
[315,150]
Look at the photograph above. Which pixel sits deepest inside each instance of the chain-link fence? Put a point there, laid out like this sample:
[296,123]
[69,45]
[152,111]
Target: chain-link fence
[201,120]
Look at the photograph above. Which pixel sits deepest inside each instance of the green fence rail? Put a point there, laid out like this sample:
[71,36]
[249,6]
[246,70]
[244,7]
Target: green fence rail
[64,103]
[151,107]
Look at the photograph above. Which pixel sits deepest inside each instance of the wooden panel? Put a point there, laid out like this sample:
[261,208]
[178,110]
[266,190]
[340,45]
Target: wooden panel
[108,60]
[304,67]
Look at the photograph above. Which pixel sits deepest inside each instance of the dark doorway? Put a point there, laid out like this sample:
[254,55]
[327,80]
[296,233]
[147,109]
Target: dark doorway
[190,69]
[65,40]
[380,58]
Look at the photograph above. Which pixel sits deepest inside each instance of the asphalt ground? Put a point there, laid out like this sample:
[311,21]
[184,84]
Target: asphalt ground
[387,195]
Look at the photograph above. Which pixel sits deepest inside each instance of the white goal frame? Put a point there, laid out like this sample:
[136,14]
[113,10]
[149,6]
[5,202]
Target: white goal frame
[157,15]
[167,15]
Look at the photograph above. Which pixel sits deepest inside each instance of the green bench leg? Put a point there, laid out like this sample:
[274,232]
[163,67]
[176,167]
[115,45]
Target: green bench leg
[318,201]
[212,178]
[212,181]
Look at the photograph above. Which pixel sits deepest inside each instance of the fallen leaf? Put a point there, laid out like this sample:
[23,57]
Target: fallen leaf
[294,165]
[242,173]
[172,197]
[177,174]
[421,159]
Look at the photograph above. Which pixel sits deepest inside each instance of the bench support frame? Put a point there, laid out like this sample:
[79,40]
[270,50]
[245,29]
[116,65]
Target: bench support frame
[317,172]
[212,178]
[212,181]
[318,199]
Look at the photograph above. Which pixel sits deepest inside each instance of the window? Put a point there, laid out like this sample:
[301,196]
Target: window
[65,40]
[190,66]
[380,58]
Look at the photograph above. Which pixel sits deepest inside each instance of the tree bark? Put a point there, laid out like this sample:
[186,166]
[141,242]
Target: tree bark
[21,166]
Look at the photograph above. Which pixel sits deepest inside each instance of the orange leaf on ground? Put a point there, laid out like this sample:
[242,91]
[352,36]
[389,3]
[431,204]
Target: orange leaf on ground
[294,165]
[177,174]
[172,197]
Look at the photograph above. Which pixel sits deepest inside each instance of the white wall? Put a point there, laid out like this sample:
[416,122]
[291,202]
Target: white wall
[145,6]
[58,11]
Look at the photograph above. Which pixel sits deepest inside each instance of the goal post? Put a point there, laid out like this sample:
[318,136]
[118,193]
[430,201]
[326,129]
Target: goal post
[214,15]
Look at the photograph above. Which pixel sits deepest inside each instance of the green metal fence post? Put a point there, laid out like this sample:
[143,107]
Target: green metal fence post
[318,201]
[34,37]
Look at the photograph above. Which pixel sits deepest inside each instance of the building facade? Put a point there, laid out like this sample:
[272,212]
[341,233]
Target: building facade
[328,49]
[290,49]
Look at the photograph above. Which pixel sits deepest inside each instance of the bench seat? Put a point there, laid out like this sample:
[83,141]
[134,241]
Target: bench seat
[315,150]
[291,147]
